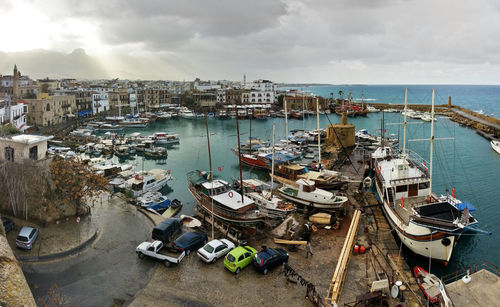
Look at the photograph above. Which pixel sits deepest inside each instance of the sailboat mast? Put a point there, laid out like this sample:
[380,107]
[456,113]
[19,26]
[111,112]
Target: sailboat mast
[404,124]
[382,130]
[319,134]
[272,161]
[210,171]
[286,123]
[303,112]
[250,137]
[432,145]
[239,156]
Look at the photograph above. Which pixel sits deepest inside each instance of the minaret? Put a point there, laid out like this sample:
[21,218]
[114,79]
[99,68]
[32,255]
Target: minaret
[15,78]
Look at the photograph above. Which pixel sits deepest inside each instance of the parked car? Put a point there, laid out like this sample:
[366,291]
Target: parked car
[8,224]
[26,237]
[158,251]
[166,230]
[190,241]
[269,258]
[239,258]
[215,249]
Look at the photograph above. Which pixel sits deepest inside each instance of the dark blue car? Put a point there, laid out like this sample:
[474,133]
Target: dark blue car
[190,241]
[269,258]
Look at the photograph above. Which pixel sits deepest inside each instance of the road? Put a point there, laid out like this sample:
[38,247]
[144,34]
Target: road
[106,273]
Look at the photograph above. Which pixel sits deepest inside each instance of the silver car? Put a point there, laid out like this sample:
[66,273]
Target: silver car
[26,237]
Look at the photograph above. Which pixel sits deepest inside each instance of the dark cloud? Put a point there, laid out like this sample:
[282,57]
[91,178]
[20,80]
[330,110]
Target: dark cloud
[292,40]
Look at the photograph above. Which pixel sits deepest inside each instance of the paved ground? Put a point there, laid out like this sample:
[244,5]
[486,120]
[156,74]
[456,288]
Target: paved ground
[50,237]
[109,271]
[474,118]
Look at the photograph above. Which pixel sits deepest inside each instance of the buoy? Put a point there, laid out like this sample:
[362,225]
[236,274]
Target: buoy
[362,249]
[356,248]
[230,194]
[219,168]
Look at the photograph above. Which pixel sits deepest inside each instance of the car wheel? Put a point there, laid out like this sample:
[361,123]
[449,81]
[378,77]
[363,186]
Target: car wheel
[140,255]
[187,252]
[238,271]
[265,272]
[167,263]
[215,259]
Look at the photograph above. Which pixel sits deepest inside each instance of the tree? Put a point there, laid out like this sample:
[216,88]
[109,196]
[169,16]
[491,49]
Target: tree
[75,183]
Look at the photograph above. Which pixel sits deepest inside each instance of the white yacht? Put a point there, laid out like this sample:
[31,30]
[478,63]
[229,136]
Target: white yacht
[148,181]
[186,113]
[305,192]
[495,145]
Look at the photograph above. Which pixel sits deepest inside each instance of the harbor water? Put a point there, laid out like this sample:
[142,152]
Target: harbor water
[467,163]
[484,99]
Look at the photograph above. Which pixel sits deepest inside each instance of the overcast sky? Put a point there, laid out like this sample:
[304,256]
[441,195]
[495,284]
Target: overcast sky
[326,41]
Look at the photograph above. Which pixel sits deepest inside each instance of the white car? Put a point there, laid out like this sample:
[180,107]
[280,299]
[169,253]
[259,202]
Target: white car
[214,250]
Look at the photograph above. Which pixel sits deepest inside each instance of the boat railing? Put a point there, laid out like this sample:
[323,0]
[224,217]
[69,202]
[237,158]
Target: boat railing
[460,272]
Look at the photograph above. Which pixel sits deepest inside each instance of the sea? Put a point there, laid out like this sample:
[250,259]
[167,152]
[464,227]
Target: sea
[463,160]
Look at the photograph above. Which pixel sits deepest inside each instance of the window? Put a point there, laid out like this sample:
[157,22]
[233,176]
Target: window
[241,258]
[9,154]
[48,107]
[423,185]
[34,153]
[401,188]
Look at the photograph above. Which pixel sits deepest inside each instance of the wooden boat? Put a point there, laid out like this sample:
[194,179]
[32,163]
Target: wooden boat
[226,203]
[323,219]
[428,283]
[175,207]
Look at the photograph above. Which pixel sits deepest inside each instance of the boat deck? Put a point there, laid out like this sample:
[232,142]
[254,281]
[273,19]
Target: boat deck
[407,211]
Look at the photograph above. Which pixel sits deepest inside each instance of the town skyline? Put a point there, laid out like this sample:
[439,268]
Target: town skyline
[284,41]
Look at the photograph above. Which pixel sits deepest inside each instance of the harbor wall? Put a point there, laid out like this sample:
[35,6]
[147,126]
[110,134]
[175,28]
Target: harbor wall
[489,126]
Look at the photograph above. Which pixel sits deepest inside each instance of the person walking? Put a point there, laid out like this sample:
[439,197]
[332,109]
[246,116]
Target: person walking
[309,249]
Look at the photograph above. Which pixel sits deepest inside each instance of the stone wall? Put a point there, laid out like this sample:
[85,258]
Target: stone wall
[14,290]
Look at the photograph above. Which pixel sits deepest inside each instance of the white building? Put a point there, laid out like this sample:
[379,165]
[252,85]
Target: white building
[14,114]
[100,103]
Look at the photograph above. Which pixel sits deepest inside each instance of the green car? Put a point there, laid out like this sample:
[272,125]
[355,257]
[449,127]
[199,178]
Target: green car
[239,258]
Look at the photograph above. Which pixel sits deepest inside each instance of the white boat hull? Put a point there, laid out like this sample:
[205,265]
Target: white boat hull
[419,239]
[496,146]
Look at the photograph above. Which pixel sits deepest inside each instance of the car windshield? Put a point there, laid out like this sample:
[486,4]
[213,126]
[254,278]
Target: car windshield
[230,258]
[257,259]
[22,239]
[208,248]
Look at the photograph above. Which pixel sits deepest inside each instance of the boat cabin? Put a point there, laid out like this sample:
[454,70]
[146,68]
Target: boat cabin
[226,199]
[292,171]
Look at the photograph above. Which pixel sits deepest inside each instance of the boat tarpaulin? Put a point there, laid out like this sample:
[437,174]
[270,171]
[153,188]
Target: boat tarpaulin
[463,205]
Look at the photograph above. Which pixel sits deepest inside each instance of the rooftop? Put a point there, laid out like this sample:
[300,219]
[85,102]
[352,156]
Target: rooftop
[28,138]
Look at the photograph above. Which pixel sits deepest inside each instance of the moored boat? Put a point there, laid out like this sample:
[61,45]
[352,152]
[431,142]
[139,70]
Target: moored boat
[495,145]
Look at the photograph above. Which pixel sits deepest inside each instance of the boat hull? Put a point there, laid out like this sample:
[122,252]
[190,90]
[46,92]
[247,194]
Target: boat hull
[419,239]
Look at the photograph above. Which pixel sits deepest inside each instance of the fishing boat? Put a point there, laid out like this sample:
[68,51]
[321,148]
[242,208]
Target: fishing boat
[428,283]
[324,179]
[156,152]
[165,138]
[228,205]
[261,193]
[304,192]
[495,145]
[427,225]
[145,181]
